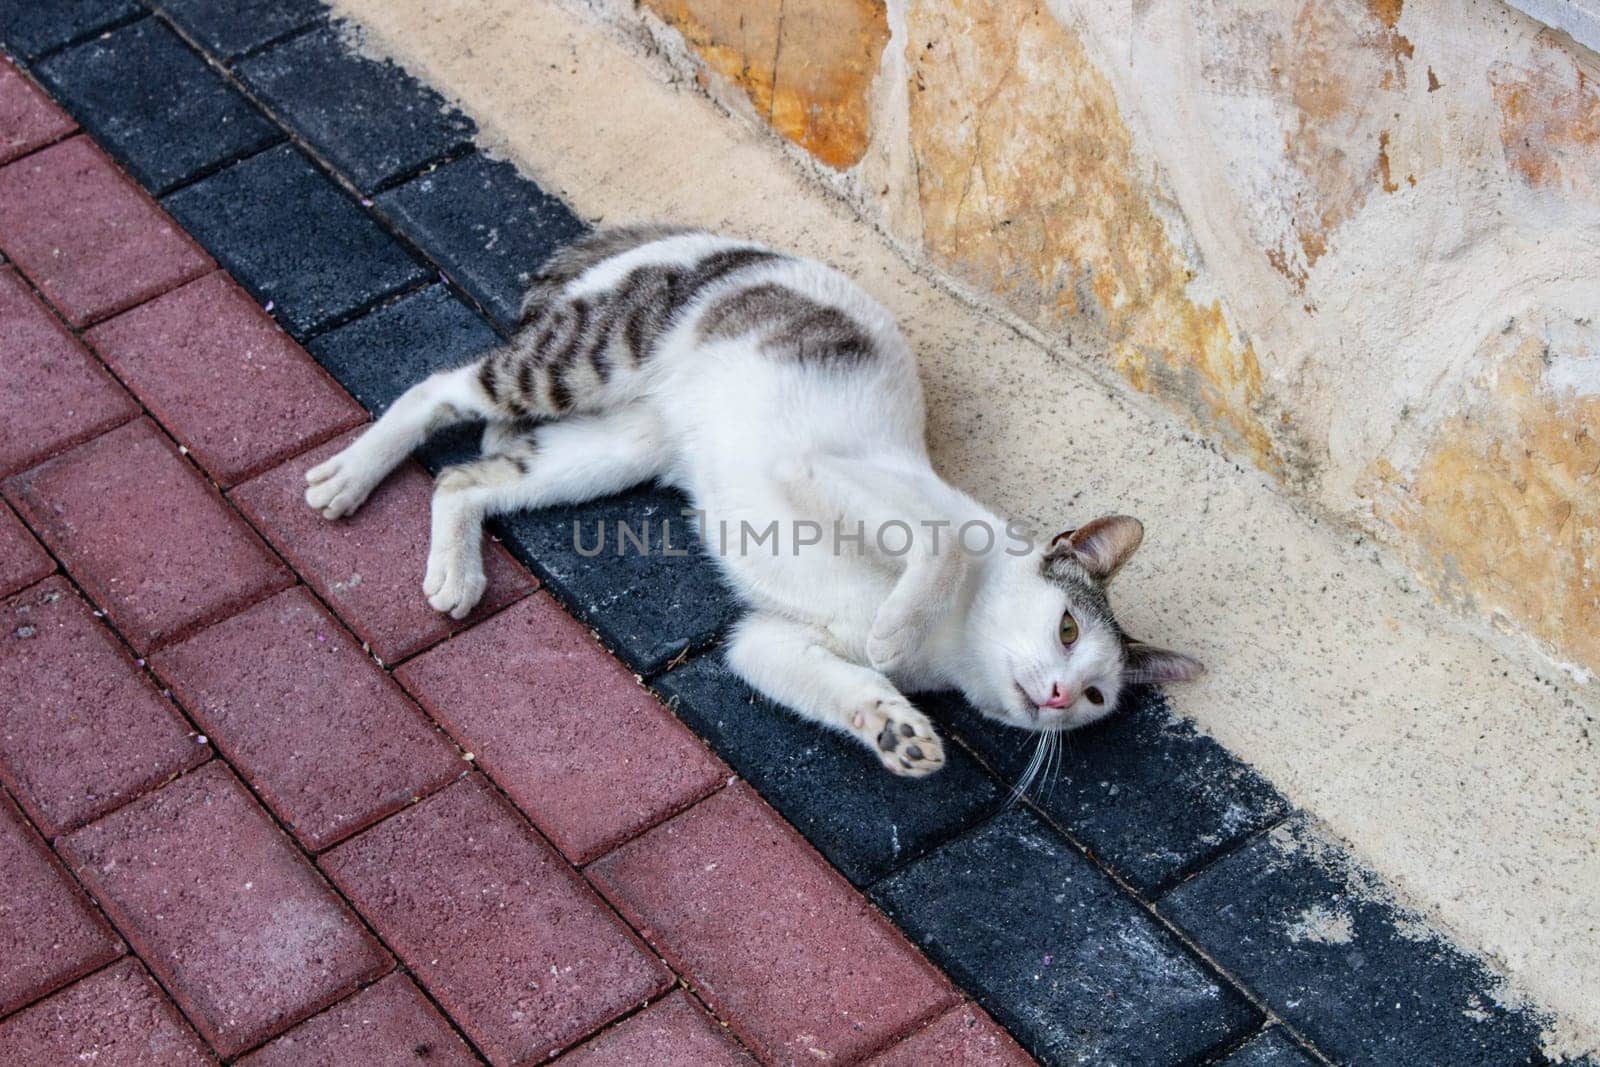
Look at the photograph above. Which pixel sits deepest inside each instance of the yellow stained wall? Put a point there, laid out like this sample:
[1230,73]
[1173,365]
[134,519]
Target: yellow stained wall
[806,65]
[1503,512]
[1028,186]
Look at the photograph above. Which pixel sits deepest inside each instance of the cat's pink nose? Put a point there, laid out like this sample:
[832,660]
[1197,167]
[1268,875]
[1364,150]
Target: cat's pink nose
[1059,697]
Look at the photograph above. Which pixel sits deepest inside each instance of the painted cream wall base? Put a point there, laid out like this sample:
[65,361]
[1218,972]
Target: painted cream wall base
[1456,763]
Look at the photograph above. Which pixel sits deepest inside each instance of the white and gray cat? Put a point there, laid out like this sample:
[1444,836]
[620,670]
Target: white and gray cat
[771,389]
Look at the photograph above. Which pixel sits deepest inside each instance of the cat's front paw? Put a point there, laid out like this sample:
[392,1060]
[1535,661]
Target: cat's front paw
[340,485]
[454,583]
[902,737]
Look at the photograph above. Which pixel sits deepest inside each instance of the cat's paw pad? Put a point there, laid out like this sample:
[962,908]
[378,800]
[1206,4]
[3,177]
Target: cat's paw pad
[339,486]
[454,583]
[902,737]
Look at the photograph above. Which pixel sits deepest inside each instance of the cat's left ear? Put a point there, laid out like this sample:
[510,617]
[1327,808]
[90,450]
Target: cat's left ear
[1103,546]
[1147,663]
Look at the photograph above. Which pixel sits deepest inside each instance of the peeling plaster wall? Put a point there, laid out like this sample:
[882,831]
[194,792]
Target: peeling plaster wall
[1401,208]
[1355,243]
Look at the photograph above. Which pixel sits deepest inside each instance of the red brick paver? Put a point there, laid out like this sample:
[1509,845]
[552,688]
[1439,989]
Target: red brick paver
[82,729]
[53,394]
[778,943]
[28,119]
[384,1025]
[369,567]
[240,393]
[329,741]
[563,727]
[23,560]
[962,1037]
[236,923]
[49,934]
[491,919]
[91,241]
[672,1032]
[117,1017]
[149,540]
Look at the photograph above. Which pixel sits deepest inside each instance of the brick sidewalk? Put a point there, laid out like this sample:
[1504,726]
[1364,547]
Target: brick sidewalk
[262,804]
[248,805]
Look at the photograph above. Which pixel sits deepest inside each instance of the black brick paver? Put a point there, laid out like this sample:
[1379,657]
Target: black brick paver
[29,28]
[1293,918]
[1270,1048]
[489,227]
[228,28]
[292,237]
[155,105]
[370,119]
[1076,969]
[385,352]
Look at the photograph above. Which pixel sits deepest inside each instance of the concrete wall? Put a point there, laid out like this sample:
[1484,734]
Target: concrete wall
[1356,244]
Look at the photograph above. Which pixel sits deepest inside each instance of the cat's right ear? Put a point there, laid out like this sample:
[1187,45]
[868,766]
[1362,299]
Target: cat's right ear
[1102,546]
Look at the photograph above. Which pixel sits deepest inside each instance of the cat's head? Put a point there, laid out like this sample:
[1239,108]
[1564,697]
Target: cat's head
[1046,651]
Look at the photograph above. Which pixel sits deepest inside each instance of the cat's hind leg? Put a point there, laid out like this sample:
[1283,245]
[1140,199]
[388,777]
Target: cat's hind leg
[567,462]
[798,666]
[342,484]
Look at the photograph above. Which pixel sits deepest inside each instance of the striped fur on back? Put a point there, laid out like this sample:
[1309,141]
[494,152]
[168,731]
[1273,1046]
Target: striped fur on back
[786,323]
[569,346]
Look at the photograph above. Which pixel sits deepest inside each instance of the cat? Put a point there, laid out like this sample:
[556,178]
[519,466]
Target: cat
[768,387]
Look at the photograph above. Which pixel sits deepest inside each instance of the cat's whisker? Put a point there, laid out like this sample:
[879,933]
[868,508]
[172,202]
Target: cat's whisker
[1029,773]
[1053,770]
[1044,762]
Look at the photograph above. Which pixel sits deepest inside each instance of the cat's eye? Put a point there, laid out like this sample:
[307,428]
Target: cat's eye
[1069,628]
[1096,697]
